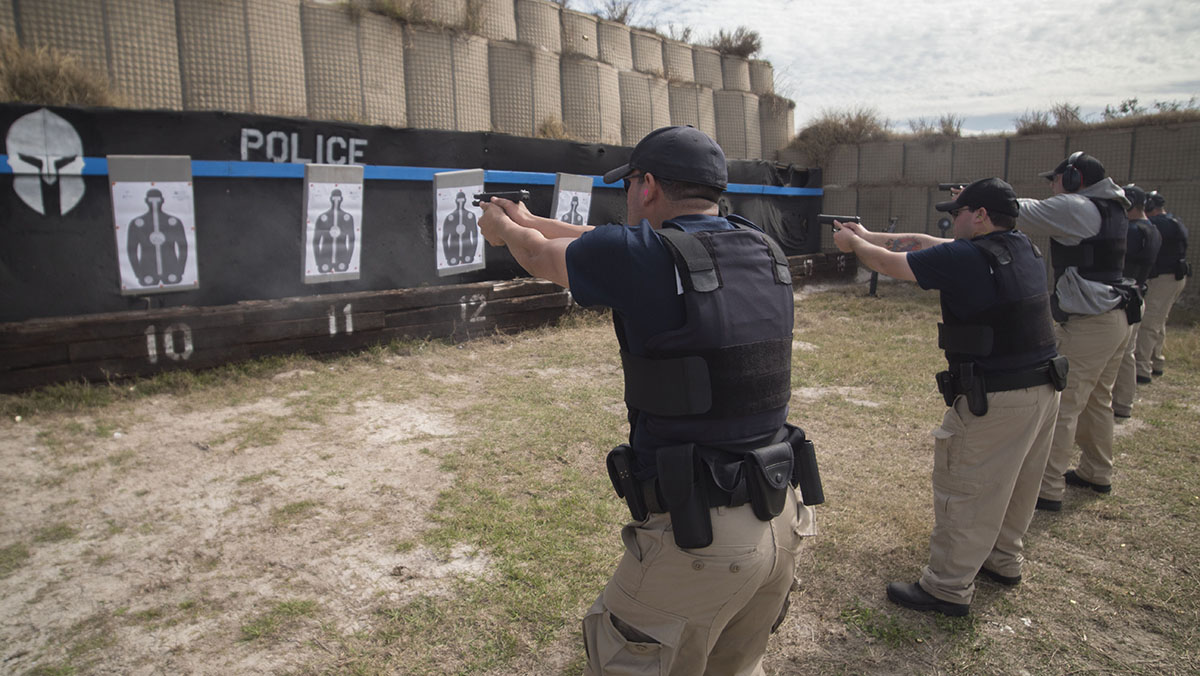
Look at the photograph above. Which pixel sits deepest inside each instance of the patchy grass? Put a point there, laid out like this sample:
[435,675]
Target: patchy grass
[55,533]
[280,616]
[12,557]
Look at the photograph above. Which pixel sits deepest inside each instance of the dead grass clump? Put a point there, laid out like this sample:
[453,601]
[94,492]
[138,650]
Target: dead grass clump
[554,129]
[413,12]
[741,42]
[945,126]
[48,77]
[833,128]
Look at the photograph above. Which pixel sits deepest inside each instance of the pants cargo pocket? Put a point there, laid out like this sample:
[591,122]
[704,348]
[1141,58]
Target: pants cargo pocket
[627,638]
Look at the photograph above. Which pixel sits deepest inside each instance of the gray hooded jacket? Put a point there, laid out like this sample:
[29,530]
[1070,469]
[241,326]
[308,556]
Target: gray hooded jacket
[1069,219]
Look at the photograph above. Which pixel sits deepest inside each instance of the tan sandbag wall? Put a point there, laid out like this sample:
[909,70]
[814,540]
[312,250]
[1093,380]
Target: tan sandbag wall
[526,88]
[579,34]
[509,66]
[591,100]
[446,80]
[738,129]
[498,20]
[645,105]
[692,104]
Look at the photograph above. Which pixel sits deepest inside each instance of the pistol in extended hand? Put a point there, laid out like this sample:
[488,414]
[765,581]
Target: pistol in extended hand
[514,195]
[828,219]
[952,186]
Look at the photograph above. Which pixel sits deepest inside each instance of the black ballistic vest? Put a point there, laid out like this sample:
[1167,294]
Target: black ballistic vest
[1174,244]
[1015,332]
[732,357]
[1101,257]
[1139,252]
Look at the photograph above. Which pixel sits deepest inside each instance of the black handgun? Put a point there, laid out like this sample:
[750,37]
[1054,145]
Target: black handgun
[952,186]
[514,195]
[828,219]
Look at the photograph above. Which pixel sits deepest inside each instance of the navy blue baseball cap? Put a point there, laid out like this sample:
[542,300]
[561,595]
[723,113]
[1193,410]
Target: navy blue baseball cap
[677,154]
[1135,195]
[1155,200]
[990,193]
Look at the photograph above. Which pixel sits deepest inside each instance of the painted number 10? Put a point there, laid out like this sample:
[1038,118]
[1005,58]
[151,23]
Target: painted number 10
[175,351]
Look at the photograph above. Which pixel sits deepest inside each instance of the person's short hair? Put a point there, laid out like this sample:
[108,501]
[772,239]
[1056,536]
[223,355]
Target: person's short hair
[1002,220]
[677,191]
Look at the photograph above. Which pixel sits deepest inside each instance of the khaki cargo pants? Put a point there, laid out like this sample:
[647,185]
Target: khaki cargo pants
[986,474]
[1161,293]
[1095,346]
[675,612]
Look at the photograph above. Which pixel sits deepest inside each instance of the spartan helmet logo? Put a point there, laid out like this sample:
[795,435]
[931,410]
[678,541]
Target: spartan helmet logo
[46,156]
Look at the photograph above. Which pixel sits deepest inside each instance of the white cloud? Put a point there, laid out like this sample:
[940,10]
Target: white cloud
[924,58]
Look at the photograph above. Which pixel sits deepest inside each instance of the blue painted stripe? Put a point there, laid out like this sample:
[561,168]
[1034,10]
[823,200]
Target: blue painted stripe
[98,166]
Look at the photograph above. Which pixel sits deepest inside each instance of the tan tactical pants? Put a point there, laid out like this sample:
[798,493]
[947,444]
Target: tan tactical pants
[686,612]
[1125,389]
[1161,294]
[1094,346]
[986,473]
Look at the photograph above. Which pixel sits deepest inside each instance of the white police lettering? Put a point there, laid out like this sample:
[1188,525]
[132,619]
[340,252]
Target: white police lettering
[279,146]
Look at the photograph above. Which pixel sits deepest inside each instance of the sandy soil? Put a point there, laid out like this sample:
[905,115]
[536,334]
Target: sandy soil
[194,539]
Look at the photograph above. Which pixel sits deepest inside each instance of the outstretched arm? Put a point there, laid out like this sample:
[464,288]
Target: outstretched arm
[901,241]
[891,263]
[540,256]
[549,227]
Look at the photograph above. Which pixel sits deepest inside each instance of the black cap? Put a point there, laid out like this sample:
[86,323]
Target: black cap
[677,154]
[1089,168]
[990,193]
[1155,200]
[1135,195]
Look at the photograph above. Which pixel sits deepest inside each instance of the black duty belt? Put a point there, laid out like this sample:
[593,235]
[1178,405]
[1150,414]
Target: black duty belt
[1003,382]
[717,497]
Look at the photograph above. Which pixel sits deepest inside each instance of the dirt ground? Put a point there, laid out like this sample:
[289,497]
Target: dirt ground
[146,517]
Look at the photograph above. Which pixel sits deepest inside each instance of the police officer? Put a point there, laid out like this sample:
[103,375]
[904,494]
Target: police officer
[1001,388]
[702,308]
[1166,282]
[1085,220]
[1141,250]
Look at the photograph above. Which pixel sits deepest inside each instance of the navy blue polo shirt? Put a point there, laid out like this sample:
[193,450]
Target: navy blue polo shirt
[628,268]
[960,272]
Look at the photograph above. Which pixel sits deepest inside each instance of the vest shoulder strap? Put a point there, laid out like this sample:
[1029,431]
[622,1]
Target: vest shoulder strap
[697,260]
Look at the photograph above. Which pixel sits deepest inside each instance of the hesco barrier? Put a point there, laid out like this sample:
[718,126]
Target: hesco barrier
[66,315]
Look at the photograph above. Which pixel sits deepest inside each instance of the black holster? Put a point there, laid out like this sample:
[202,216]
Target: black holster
[1058,372]
[1182,269]
[965,382]
[1131,301]
[620,473]
[682,477]
[805,474]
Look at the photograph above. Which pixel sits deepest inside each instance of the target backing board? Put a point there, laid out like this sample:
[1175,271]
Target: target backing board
[333,214]
[154,223]
[459,243]
[572,198]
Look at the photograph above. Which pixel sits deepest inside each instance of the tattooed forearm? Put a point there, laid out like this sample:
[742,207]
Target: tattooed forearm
[902,244]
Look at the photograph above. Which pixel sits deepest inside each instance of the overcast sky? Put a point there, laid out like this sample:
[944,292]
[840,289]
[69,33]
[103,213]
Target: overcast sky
[987,62]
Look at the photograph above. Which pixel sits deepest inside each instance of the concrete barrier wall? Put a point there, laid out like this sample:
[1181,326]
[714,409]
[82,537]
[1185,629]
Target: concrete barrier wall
[898,179]
[332,61]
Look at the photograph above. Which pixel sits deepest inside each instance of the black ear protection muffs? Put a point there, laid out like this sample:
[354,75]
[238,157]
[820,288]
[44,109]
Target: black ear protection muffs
[1072,178]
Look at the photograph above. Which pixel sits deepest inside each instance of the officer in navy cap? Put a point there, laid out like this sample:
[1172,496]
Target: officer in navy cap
[1093,306]
[1167,278]
[702,308]
[1141,250]
[1001,386]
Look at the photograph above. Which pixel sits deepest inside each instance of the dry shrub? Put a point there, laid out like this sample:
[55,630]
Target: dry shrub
[555,129]
[945,126]
[840,127]
[741,42]
[48,77]
[412,13]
